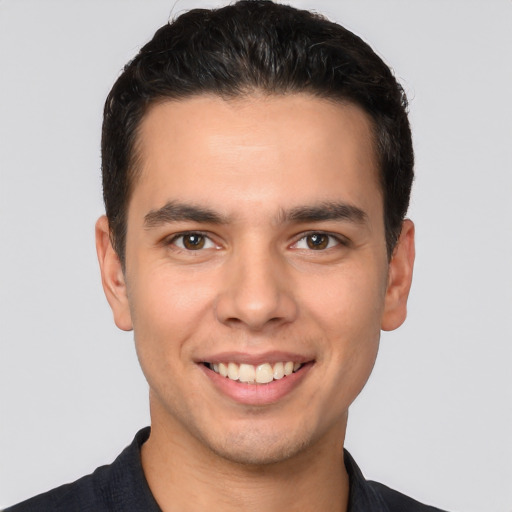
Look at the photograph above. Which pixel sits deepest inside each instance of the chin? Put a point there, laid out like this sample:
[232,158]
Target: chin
[258,453]
[255,447]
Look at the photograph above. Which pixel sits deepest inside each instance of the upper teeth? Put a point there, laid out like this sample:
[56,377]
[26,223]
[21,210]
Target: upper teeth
[260,374]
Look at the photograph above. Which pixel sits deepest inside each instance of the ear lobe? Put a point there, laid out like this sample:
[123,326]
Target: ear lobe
[112,276]
[399,279]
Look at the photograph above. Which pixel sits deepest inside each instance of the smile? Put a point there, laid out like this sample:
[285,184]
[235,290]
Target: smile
[251,374]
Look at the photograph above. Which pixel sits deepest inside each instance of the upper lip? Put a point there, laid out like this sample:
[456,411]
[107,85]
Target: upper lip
[255,358]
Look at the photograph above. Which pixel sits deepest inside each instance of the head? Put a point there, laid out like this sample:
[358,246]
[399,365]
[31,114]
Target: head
[257,163]
[255,46]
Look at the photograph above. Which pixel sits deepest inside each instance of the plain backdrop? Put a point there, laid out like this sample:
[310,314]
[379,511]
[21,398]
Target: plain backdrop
[435,420]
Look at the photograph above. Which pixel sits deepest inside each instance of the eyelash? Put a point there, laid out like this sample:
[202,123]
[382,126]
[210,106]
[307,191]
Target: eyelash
[206,239]
[339,240]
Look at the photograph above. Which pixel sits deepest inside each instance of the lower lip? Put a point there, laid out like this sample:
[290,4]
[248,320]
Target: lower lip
[257,394]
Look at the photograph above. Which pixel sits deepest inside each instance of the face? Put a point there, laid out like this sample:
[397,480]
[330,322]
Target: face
[257,279]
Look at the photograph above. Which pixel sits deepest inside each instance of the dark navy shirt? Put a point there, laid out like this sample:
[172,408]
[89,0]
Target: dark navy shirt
[122,486]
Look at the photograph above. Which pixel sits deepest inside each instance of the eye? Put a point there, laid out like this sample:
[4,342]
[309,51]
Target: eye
[193,241]
[317,241]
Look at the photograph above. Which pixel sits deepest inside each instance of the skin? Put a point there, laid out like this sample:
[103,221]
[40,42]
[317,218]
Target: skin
[256,287]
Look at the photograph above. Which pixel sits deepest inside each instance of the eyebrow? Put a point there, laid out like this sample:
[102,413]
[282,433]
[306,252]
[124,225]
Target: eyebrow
[175,211]
[336,210]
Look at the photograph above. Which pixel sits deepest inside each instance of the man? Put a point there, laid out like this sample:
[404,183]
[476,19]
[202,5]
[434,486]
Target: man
[257,166]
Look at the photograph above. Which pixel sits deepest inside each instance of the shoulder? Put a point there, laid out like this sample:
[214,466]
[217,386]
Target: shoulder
[367,495]
[87,493]
[398,502]
[118,486]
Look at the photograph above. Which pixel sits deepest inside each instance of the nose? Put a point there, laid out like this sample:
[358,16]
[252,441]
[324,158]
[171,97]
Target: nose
[256,292]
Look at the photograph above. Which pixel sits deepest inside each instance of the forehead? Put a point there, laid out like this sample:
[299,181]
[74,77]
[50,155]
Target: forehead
[272,149]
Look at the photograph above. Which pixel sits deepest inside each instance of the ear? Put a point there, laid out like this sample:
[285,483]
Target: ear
[399,279]
[112,276]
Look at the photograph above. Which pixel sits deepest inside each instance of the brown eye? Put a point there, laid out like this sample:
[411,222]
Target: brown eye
[193,241]
[317,241]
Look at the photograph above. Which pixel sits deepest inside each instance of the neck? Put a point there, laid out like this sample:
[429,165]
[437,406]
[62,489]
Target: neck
[185,475]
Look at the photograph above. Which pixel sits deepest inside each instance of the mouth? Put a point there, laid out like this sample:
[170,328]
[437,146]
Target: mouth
[256,380]
[264,373]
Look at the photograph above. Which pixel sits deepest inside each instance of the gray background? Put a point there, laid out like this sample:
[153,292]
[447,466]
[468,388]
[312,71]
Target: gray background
[435,420]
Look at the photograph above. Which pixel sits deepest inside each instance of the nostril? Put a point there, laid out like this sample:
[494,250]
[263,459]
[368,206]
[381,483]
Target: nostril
[256,304]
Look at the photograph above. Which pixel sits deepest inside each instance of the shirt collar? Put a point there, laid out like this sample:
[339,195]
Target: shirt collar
[362,497]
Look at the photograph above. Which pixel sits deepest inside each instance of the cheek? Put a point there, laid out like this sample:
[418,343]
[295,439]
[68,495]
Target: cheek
[347,300]
[165,297]
[346,309]
[167,313]
[167,309]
